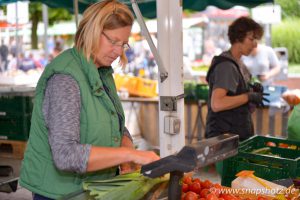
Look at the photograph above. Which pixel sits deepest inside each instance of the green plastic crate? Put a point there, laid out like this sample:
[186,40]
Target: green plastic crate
[190,91]
[202,91]
[195,91]
[15,127]
[283,163]
[10,104]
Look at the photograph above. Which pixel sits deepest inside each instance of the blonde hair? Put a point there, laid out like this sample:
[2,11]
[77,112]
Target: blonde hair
[109,14]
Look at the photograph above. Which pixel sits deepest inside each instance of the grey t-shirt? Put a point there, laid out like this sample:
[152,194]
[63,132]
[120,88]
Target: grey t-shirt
[61,109]
[262,62]
[225,76]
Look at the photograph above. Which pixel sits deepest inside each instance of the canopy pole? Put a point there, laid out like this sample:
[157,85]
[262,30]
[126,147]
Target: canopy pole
[75,7]
[17,36]
[170,47]
[162,70]
[45,20]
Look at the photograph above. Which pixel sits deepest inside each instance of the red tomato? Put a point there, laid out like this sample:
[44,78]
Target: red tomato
[261,198]
[206,184]
[283,145]
[217,188]
[228,197]
[271,144]
[221,199]
[182,196]
[212,196]
[195,187]
[187,179]
[202,199]
[197,180]
[204,193]
[185,187]
[191,196]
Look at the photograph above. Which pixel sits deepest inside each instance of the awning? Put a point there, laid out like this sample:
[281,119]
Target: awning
[148,7]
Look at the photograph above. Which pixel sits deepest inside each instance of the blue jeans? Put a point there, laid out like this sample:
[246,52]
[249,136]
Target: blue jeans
[40,197]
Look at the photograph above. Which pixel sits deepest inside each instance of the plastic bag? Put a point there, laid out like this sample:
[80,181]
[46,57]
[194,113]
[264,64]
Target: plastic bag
[294,125]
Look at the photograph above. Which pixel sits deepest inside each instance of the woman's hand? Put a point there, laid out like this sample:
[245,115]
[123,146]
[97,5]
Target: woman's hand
[143,157]
[129,167]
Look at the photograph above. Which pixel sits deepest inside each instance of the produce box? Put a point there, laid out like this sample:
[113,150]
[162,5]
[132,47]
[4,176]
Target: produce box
[136,86]
[271,158]
[202,91]
[195,91]
[15,127]
[190,91]
[10,104]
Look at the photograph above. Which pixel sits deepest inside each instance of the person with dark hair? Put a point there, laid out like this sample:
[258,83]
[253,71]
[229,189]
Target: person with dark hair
[77,128]
[229,92]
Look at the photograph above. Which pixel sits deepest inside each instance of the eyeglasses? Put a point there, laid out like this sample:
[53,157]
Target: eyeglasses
[116,43]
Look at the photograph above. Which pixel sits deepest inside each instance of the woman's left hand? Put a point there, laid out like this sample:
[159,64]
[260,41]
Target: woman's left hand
[126,168]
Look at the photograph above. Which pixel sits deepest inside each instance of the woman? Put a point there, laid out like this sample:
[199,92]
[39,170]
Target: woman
[77,127]
[229,94]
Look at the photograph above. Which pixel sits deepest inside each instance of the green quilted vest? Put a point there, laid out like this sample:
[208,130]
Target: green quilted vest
[99,126]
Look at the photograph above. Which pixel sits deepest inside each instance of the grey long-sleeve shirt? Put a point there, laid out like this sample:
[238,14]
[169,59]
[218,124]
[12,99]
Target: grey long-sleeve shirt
[61,109]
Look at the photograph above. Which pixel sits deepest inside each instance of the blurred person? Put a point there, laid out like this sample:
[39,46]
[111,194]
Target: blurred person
[229,92]
[263,64]
[77,131]
[210,51]
[57,49]
[26,62]
[3,56]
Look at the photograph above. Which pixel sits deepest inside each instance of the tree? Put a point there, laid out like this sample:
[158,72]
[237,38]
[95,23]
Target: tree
[35,14]
[290,8]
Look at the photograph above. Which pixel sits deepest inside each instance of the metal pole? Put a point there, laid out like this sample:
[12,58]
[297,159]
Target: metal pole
[170,48]
[17,35]
[45,20]
[75,6]
[162,70]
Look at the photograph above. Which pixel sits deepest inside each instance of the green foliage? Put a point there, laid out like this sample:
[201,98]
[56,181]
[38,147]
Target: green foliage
[287,34]
[54,14]
[35,15]
[290,8]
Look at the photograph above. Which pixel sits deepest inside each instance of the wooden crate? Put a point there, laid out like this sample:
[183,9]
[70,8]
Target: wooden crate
[12,149]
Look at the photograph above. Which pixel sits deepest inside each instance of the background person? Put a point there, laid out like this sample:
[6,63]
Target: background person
[3,56]
[263,63]
[229,93]
[77,130]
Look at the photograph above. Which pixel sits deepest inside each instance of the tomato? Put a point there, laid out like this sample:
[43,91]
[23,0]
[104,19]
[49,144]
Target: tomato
[228,197]
[217,188]
[187,179]
[221,199]
[283,145]
[191,196]
[185,187]
[204,193]
[271,144]
[182,196]
[261,198]
[195,187]
[197,180]
[206,184]
[211,196]
[202,199]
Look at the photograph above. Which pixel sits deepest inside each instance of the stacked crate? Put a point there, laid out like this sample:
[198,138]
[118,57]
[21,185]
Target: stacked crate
[269,157]
[15,116]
